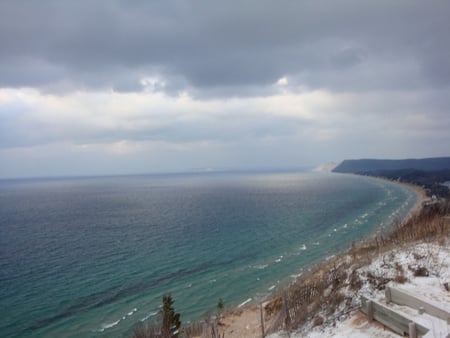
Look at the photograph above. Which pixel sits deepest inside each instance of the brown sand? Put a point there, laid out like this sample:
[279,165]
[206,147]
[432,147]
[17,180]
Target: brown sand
[245,323]
[421,199]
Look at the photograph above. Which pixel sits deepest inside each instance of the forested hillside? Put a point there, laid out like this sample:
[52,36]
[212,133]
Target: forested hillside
[429,173]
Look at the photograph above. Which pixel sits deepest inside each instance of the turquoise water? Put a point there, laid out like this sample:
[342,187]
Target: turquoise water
[91,257]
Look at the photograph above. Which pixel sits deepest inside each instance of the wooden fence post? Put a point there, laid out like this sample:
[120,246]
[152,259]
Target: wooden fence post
[213,329]
[261,313]
[204,330]
[287,320]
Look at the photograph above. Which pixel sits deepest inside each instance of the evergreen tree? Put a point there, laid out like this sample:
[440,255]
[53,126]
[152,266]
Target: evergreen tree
[170,319]
[220,307]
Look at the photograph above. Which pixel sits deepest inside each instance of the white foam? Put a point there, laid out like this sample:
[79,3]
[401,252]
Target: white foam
[260,267]
[303,247]
[271,288]
[108,325]
[296,276]
[151,314]
[131,312]
[246,302]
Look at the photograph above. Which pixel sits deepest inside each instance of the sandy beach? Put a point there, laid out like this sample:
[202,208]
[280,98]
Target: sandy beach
[421,199]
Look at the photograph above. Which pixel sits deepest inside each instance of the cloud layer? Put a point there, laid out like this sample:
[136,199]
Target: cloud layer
[138,86]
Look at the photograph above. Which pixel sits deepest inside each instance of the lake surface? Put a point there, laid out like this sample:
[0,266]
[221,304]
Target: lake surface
[91,257]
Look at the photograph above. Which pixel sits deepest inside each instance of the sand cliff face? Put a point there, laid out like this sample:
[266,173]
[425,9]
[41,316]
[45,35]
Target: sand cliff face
[326,167]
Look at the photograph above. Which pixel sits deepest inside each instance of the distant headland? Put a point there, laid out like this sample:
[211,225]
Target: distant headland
[429,173]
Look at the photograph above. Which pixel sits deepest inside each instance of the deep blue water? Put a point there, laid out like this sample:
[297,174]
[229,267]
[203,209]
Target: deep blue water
[90,257]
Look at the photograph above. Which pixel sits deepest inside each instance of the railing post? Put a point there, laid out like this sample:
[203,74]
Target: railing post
[370,310]
[412,330]
[388,295]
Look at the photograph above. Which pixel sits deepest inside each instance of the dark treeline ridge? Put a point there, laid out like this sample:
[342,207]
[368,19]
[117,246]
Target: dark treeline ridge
[428,173]
[367,165]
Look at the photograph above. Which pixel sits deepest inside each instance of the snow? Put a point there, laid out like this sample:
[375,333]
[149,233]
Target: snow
[431,257]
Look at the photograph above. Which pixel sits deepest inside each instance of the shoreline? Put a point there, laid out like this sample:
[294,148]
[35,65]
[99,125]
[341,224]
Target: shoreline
[245,321]
[421,199]
[420,193]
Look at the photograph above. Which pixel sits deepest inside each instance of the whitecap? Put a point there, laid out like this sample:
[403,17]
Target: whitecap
[303,247]
[260,267]
[271,288]
[108,325]
[151,314]
[243,303]
[296,276]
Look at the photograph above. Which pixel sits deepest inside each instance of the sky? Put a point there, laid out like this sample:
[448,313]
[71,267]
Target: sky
[120,87]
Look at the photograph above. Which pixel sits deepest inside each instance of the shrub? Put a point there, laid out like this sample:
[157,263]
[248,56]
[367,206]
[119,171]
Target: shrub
[421,271]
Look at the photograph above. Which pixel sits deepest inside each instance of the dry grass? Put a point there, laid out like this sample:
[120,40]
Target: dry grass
[421,271]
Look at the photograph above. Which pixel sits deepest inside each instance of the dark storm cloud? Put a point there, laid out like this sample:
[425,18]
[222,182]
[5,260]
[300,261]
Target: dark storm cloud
[225,48]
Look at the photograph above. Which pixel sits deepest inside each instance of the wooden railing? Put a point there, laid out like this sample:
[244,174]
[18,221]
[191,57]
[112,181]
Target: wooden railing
[396,321]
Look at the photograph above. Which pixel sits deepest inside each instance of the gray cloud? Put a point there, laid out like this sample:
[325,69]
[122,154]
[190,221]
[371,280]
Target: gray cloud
[202,46]
[86,86]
